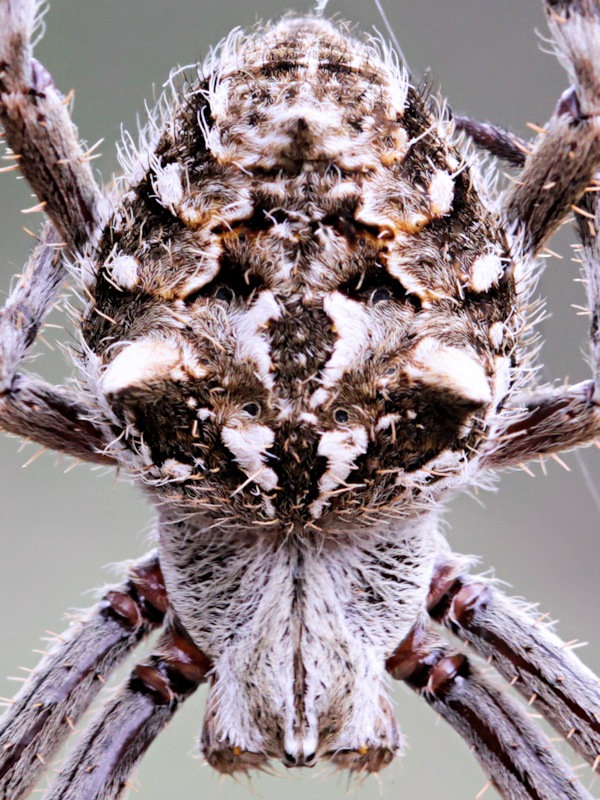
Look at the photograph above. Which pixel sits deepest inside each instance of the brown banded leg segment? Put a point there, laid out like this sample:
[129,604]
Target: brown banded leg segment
[567,154]
[64,684]
[546,422]
[528,655]
[101,763]
[500,143]
[39,131]
[53,417]
[518,759]
[561,166]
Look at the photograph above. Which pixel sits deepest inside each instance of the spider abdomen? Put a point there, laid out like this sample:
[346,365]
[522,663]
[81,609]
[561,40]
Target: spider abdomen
[310,312]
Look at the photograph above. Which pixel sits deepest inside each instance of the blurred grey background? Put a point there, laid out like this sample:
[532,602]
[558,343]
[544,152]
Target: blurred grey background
[59,529]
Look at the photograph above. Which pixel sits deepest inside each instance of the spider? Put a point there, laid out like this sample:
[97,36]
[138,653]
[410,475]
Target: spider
[304,327]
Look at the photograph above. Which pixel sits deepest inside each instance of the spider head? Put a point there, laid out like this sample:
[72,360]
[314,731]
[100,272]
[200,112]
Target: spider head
[349,725]
[299,631]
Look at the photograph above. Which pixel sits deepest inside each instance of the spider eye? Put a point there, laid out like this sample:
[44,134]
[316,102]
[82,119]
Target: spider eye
[341,415]
[231,283]
[380,295]
[252,409]
[224,293]
[377,286]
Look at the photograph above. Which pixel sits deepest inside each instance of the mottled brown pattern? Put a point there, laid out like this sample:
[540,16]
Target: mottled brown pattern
[310,225]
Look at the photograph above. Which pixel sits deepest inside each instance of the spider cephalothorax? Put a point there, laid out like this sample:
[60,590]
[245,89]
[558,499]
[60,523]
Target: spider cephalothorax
[304,327]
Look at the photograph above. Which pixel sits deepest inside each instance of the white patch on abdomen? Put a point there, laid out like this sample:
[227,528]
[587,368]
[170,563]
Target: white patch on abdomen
[249,442]
[252,344]
[450,369]
[351,324]
[340,448]
[147,360]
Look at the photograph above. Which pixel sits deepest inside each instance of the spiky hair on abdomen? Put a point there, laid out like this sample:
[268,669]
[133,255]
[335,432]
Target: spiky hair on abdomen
[302,309]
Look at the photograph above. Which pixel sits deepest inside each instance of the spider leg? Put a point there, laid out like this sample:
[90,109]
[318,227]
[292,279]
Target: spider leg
[500,143]
[544,423]
[30,407]
[567,154]
[64,684]
[100,764]
[518,758]
[527,654]
[557,177]
[39,131]
[588,225]
[559,419]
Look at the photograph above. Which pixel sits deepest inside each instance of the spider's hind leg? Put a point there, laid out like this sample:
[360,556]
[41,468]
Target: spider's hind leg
[110,749]
[517,757]
[529,655]
[61,688]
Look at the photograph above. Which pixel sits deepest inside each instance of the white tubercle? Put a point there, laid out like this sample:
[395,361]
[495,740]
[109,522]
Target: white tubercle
[496,334]
[176,470]
[168,186]
[124,271]
[441,193]
[485,271]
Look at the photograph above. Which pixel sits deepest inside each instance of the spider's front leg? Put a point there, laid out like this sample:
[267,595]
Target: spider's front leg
[39,131]
[60,689]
